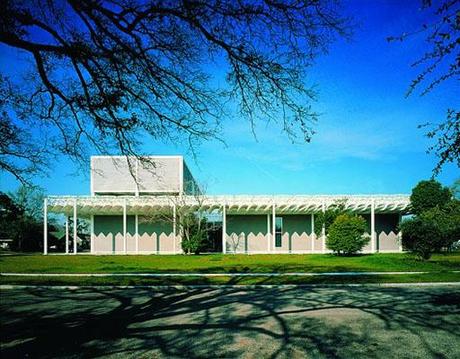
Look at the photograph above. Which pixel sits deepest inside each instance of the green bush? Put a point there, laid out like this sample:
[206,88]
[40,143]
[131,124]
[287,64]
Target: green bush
[420,237]
[427,195]
[194,243]
[432,230]
[346,235]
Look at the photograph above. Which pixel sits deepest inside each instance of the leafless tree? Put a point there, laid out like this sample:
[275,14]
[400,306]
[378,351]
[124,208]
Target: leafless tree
[106,75]
[439,63]
[189,219]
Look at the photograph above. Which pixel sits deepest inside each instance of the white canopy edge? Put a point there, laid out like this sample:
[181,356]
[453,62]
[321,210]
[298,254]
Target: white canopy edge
[235,204]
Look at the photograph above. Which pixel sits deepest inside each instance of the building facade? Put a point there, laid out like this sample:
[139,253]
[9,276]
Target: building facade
[135,204]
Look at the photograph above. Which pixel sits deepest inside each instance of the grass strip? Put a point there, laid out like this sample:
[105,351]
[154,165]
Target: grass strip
[218,263]
[226,280]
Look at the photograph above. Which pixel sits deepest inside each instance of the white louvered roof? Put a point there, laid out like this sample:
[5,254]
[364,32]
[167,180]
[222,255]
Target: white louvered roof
[235,204]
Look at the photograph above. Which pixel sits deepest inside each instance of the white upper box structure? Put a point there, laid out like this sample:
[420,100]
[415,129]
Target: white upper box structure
[149,175]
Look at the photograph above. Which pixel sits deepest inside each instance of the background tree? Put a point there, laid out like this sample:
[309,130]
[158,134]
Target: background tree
[455,189]
[328,217]
[104,74]
[346,234]
[436,223]
[21,218]
[9,213]
[30,199]
[440,63]
[429,194]
[193,232]
[83,236]
[190,220]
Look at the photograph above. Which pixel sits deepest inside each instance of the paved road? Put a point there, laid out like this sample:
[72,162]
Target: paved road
[314,322]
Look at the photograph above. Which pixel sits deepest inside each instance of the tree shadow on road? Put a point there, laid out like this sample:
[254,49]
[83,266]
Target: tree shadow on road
[209,322]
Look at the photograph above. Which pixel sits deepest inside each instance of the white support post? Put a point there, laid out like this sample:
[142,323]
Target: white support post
[45,226]
[323,230]
[224,229]
[268,233]
[91,168]
[75,226]
[137,177]
[125,238]
[174,228]
[373,241]
[400,234]
[136,229]
[66,234]
[274,227]
[312,232]
[92,234]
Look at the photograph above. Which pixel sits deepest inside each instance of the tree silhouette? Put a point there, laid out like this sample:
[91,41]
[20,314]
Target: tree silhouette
[105,76]
[440,63]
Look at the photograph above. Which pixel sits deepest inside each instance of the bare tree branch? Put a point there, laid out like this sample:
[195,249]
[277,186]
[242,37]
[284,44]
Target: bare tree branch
[439,64]
[113,73]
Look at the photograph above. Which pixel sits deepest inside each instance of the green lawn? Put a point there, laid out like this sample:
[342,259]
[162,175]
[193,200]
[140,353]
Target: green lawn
[226,280]
[226,263]
[440,268]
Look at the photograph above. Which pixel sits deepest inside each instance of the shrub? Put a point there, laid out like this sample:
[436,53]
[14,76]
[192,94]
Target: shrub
[429,194]
[194,243]
[420,237]
[346,234]
[432,230]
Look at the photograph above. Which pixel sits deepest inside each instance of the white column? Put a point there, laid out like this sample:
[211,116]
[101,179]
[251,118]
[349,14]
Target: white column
[92,234]
[137,177]
[66,234]
[224,229]
[45,226]
[274,227]
[136,229]
[125,238]
[373,239]
[312,232]
[400,234]
[268,233]
[75,226]
[91,169]
[323,230]
[174,228]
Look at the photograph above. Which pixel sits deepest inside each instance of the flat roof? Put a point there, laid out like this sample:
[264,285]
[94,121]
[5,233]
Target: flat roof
[235,204]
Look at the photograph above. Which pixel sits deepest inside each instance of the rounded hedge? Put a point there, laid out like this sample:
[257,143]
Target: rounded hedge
[346,235]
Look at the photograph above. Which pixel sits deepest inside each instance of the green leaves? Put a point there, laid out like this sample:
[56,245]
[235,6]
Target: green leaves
[436,224]
[327,217]
[346,234]
[427,195]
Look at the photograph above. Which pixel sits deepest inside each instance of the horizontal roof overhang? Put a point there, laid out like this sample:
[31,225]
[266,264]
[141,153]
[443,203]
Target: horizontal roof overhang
[235,204]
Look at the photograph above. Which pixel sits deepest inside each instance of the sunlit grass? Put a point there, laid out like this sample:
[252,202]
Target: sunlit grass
[226,263]
[226,280]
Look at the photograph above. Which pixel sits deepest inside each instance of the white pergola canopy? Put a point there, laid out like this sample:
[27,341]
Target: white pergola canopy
[234,204]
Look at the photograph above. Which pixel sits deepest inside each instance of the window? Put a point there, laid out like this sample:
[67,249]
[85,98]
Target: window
[278,231]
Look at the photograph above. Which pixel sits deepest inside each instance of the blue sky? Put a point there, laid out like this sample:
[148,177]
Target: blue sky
[367,139]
